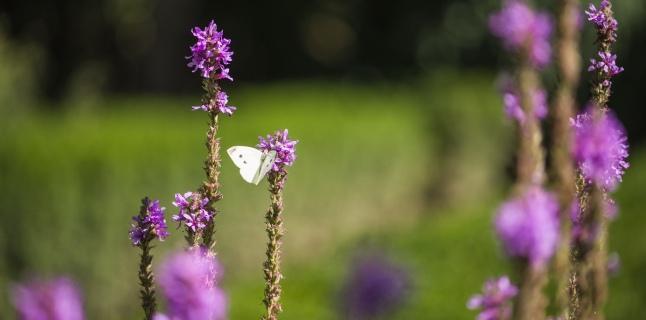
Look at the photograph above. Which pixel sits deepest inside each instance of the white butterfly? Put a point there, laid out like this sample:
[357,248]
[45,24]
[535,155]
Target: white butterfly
[253,163]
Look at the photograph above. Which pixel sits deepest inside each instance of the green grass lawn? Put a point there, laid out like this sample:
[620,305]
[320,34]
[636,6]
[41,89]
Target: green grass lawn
[417,172]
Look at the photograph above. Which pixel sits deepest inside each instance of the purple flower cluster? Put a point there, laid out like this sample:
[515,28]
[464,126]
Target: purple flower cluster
[600,148]
[151,224]
[218,104]
[58,299]
[606,64]
[495,300]
[184,279]
[604,21]
[514,110]
[211,53]
[285,149]
[528,226]
[375,288]
[192,210]
[521,28]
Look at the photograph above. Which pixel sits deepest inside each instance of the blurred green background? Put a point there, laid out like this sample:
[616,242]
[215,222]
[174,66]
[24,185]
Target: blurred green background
[403,145]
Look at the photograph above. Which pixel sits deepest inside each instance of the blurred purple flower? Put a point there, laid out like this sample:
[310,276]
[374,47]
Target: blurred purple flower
[614,264]
[58,299]
[211,53]
[600,147]
[495,300]
[519,27]
[376,287]
[184,279]
[219,104]
[514,110]
[528,226]
[285,149]
[153,224]
[192,210]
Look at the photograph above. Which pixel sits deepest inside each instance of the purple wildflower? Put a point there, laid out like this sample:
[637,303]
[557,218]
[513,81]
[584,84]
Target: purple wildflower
[376,287]
[211,53]
[607,64]
[285,149]
[214,270]
[520,27]
[495,300]
[192,210]
[57,299]
[219,104]
[152,223]
[183,279]
[600,147]
[513,109]
[603,20]
[528,226]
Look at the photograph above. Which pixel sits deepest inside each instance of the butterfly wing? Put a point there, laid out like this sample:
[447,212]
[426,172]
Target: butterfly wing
[267,163]
[247,159]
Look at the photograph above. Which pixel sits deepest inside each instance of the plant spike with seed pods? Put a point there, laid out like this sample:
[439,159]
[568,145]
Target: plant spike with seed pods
[285,156]
[563,172]
[210,57]
[600,150]
[148,225]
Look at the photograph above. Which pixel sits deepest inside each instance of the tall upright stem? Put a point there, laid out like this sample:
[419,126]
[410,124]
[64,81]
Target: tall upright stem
[589,275]
[211,186]
[589,278]
[146,277]
[531,168]
[274,228]
[531,302]
[569,65]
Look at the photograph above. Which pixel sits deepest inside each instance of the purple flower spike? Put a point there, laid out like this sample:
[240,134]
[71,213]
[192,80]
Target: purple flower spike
[607,64]
[184,282]
[519,27]
[604,22]
[285,149]
[58,299]
[600,148]
[495,300]
[219,104]
[376,287]
[211,53]
[528,226]
[151,224]
[192,210]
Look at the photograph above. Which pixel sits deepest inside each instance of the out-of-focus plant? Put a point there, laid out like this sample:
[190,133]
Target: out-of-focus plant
[20,64]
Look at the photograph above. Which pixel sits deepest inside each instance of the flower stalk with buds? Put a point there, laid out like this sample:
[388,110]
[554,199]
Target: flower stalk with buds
[285,156]
[149,225]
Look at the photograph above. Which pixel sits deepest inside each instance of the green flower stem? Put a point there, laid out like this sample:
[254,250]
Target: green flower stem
[589,279]
[211,186]
[275,231]
[589,260]
[146,276]
[569,66]
[531,302]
